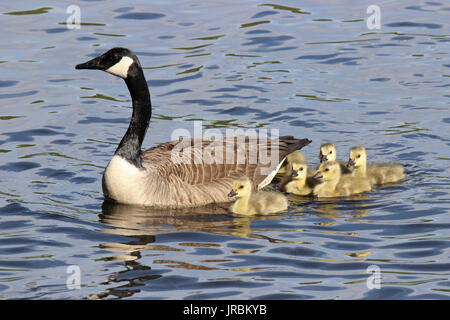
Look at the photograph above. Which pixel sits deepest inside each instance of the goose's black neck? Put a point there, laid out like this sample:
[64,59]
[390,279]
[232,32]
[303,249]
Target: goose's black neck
[130,145]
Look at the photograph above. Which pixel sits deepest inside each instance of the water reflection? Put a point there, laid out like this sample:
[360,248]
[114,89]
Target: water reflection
[138,221]
[168,236]
[191,228]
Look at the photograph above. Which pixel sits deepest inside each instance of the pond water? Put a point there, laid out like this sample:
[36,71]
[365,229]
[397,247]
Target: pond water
[314,71]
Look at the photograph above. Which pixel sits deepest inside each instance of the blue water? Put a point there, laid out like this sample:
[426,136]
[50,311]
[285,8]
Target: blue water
[314,71]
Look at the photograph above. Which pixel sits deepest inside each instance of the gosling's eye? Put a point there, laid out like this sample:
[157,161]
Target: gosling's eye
[359,156]
[327,169]
[241,187]
[331,152]
[301,169]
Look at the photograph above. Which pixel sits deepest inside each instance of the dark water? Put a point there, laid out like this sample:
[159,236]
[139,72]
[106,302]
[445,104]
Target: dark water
[316,71]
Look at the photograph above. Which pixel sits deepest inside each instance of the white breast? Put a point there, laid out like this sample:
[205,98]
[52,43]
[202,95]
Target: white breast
[124,182]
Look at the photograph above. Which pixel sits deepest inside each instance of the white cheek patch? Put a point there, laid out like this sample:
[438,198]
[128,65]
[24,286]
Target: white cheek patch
[120,69]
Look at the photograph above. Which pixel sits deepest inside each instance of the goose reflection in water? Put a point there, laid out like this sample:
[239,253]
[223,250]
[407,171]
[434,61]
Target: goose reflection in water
[141,227]
[144,232]
[129,220]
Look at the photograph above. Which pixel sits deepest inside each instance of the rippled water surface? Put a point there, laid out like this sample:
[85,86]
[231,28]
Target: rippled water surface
[313,71]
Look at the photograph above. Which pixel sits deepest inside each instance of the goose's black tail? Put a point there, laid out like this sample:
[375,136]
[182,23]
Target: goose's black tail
[294,144]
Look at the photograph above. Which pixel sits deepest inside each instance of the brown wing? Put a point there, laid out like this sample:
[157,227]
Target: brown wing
[201,171]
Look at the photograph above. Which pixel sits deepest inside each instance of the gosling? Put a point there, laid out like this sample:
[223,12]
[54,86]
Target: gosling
[377,173]
[285,172]
[334,184]
[300,183]
[328,153]
[261,202]
[285,169]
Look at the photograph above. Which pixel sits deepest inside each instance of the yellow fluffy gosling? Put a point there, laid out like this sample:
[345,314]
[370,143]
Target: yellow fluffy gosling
[285,172]
[377,173]
[295,156]
[328,153]
[300,183]
[261,202]
[334,184]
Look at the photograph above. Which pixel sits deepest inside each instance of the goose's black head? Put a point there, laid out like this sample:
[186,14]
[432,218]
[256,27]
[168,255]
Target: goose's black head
[120,62]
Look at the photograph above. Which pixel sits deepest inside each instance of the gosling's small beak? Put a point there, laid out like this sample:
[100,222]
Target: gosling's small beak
[232,193]
[350,163]
[323,158]
[91,64]
[294,173]
[318,175]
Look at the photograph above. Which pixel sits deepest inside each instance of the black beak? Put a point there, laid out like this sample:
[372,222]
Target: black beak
[91,64]
[294,173]
[318,175]
[350,163]
[323,158]
[232,193]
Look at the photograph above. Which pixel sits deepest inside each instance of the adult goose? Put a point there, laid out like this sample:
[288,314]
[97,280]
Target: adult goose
[160,177]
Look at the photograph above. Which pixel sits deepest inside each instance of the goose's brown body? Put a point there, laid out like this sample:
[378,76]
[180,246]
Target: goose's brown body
[199,180]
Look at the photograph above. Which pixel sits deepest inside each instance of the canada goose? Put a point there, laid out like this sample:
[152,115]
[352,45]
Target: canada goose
[152,178]
[260,202]
[328,153]
[300,183]
[377,173]
[334,184]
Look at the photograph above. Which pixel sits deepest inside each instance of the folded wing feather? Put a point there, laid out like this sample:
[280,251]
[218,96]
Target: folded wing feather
[203,170]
